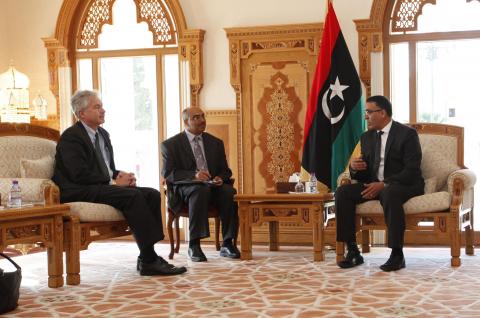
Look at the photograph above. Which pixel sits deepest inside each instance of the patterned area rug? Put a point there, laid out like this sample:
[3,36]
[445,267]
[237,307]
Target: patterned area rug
[286,283]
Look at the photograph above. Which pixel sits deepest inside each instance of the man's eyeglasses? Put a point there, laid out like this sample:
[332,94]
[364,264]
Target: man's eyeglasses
[370,111]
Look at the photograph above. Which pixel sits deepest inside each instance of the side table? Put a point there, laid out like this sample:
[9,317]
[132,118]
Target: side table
[43,223]
[255,209]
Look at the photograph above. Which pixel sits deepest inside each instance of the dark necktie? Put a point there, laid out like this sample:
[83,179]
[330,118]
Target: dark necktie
[378,148]
[197,151]
[100,158]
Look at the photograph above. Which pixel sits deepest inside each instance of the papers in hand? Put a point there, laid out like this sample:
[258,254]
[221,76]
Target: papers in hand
[185,182]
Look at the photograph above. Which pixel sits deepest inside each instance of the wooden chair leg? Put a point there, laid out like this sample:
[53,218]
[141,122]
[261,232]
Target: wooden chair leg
[365,241]
[217,233]
[177,234]
[469,236]
[469,250]
[340,249]
[171,217]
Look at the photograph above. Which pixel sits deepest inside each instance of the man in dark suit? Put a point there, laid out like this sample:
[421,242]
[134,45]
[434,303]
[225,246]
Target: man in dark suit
[196,171]
[388,170]
[85,171]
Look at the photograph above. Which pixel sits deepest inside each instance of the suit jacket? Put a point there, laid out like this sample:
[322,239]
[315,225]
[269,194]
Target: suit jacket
[179,163]
[77,170]
[403,156]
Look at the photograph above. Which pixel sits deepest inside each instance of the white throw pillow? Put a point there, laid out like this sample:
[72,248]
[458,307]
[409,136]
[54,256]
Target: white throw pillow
[37,168]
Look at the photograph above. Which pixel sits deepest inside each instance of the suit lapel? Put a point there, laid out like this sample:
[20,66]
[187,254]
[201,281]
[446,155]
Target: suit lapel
[185,143]
[108,143]
[84,136]
[208,148]
[391,137]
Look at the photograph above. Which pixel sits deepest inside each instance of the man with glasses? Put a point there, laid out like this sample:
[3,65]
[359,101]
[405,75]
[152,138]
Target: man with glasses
[197,174]
[387,170]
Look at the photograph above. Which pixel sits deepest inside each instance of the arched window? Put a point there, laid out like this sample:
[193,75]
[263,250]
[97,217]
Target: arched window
[431,51]
[136,71]
[142,59]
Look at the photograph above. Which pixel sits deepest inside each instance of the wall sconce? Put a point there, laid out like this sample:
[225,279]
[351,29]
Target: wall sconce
[40,107]
[14,98]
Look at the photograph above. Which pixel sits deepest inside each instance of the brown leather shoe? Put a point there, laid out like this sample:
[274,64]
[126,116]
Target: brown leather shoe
[158,267]
[351,260]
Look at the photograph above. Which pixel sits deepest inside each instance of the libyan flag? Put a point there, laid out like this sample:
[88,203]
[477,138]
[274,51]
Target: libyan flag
[334,119]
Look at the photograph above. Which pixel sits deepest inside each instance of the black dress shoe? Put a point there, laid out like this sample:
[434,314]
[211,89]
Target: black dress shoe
[160,259]
[229,251]
[351,260]
[394,263]
[157,267]
[195,254]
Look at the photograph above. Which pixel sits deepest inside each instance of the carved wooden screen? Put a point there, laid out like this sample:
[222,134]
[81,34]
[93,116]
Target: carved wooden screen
[271,71]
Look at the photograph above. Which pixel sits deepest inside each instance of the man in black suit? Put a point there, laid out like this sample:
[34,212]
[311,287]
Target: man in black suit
[388,170]
[85,171]
[197,173]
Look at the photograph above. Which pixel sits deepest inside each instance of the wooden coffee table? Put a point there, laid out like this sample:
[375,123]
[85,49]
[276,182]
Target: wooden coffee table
[255,209]
[43,223]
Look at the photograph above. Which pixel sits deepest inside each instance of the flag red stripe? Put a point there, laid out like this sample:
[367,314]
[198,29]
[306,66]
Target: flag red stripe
[329,37]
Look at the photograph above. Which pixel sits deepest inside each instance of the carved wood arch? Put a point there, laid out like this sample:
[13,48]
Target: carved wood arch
[62,47]
[371,31]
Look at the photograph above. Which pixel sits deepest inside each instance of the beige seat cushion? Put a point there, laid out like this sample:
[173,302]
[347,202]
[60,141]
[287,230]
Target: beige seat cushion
[432,202]
[95,212]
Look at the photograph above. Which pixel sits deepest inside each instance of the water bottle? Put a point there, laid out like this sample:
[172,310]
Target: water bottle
[299,187]
[15,195]
[313,183]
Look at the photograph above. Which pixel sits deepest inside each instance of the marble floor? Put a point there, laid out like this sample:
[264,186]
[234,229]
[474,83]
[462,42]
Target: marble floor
[286,283]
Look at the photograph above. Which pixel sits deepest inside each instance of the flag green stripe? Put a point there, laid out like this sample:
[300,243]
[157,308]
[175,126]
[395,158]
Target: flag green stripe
[346,140]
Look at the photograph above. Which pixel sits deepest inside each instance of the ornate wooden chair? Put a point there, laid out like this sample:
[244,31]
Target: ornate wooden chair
[28,153]
[446,208]
[174,218]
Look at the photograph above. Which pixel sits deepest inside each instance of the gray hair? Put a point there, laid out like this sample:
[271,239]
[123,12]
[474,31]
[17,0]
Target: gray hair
[81,99]
[186,113]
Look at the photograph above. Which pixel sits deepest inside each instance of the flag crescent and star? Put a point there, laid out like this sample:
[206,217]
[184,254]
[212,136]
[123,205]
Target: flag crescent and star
[334,120]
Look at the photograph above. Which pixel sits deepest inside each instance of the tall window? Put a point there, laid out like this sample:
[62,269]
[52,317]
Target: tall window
[433,67]
[136,71]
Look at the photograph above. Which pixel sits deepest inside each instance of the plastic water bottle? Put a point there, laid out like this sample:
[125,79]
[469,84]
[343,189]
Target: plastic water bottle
[15,195]
[313,183]
[299,187]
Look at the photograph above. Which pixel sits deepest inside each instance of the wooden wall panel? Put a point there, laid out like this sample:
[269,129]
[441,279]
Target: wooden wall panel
[271,69]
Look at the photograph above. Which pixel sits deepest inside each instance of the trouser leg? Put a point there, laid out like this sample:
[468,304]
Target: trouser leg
[197,197]
[346,198]
[222,198]
[141,209]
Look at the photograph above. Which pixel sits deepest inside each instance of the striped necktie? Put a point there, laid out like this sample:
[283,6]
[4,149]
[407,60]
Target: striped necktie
[198,153]
[98,153]
[378,148]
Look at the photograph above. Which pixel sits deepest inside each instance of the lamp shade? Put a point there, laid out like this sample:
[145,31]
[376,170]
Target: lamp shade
[13,79]
[14,100]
